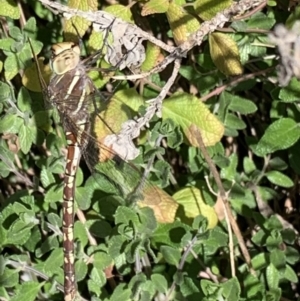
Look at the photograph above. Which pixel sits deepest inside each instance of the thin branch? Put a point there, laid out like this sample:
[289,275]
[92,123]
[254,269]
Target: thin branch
[224,198]
[235,81]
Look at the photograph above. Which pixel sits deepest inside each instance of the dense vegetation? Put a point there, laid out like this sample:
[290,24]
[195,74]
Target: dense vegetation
[219,216]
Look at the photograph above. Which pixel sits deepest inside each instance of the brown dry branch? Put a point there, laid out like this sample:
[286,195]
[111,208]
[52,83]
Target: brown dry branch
[231,222]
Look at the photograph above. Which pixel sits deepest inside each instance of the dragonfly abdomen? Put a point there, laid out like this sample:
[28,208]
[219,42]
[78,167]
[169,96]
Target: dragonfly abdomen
[73,158]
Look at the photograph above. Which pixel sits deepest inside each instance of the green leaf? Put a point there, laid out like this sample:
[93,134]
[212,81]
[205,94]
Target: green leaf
[291,92]
[34,240]
[232,289]
[78,25]
[9,8]
[80,233]
[193,204]
[216,239]
[83,197]
[19,232]
[46,177]
[100,228]
[27,137]
[153,54]
[169,234]
[54,261]
[171,255]
[155,7]
[27,291]
[292,255]
[121,293]
[30,27]
[5,91]
[54,219]
[6,44]
[79,177]
[102,260]
[11,67]
[9,278]
[260,20]
[160,283]
[94,287]
[279,179]
[288,236]
[272,276]
[124,215]
[188,111]
[10,124]
[248,165]
[209,288]
[15,33]
[207,9]
[98,276]
[253,286]
[54,194]
[281,134]
[229,172]
[290,274]
[136,283]
[234,122]
[115,247]
[50,243]
[241,105]
[277,258]
[81,270]
[274,240]
[120,11]
[147,221]
[189,288]
[259,261]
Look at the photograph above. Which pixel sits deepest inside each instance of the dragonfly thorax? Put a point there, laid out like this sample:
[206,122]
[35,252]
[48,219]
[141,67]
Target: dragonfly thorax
[65,57]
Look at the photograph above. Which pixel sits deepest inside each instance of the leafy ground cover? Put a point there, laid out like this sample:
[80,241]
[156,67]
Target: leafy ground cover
[220,215]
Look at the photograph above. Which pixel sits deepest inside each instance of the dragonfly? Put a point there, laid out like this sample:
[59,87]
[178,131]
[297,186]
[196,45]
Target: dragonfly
[72,92]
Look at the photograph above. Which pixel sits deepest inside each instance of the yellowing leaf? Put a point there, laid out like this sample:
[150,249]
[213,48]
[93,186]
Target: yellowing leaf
[179,2]
[225,54]
[78,25]
[192,25]
[95,41]
[9,9]
[163,205]
[155,7]
[98,78]
[120,11]
[191,200]
[121,107]
[181,23]
[207,9]
[30,78]
[187,110]
[177,17]
[153,57]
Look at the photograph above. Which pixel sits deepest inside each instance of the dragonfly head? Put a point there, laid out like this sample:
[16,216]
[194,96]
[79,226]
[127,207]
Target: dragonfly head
[65,57]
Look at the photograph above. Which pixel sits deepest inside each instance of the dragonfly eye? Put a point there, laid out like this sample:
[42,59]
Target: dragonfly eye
[65,57]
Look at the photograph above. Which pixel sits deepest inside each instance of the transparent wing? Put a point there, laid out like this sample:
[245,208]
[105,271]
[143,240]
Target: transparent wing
[109,169]
[98,156]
